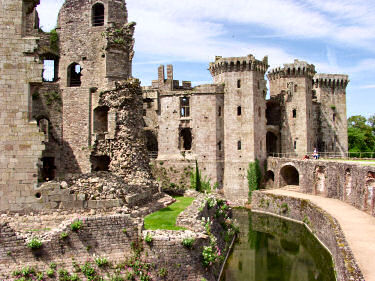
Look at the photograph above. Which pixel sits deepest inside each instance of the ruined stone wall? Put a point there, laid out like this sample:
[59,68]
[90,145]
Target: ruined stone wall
[244,118]
[206,129]
[293,81]
[331,97]
[20,140]
[351,183]
[320,223]
[118,238]
[104,54]
[47,111]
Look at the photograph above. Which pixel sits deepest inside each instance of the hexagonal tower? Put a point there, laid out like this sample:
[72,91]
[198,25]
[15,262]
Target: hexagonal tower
[293,84]
[330,94]
[244,118]
[96,49]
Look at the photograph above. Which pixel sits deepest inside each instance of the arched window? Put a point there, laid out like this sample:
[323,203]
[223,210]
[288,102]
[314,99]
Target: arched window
[74,75]
[98,14]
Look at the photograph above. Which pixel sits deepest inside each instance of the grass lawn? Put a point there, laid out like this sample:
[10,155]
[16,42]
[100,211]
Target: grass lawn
[166,218]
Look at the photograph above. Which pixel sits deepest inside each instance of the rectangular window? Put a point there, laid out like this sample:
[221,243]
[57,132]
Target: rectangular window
[239,111]
[219,145]
[185,106]
[294,113]
[48,70]
[239,145]
[238,83]
[295,144]
[219,111]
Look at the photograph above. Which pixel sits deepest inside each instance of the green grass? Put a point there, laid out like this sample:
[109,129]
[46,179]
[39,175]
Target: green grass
[166,218]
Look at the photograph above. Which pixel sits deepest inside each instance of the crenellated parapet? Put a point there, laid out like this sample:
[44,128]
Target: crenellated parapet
[238,64]
[323,80]
[296,69]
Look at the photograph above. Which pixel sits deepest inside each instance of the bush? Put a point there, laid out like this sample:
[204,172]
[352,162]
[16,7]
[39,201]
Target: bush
[50,273]
[101,262]
[76,225]
[188,242]
[35,244]
[254,176]
[88,271]
[163,272]
[148,238]
[64,235]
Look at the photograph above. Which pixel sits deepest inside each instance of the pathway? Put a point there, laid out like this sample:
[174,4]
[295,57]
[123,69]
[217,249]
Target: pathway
[358,227]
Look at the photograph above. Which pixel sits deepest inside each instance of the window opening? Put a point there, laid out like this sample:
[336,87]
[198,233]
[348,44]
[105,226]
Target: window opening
[44,127]
[238,83]
[334,117]
[98,14]
[185,139]
[258,85]
[101,119]
[294,113]
[74,75]
[219,113]
[295,88]
[239,145]
[239,110]
[219,145]
[48,70]
[185,107]
[295,144]
[49,168]
[100,163]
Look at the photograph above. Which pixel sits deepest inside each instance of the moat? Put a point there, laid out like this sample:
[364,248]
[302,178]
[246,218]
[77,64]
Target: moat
[270,248]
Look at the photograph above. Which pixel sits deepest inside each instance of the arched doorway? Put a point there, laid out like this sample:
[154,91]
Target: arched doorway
[74,75]
[271,143]
[98,14]
[289,176]
[269,179]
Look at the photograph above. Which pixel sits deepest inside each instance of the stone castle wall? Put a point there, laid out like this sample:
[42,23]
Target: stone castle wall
[351,183]
[20,141]
[319,222]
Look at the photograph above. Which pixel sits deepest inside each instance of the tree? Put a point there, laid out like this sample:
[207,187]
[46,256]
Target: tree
[254,176]
[361,135]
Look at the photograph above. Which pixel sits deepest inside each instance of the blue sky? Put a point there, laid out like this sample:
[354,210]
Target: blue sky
[337,36]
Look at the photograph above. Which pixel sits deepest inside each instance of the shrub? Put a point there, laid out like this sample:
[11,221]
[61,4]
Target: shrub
[188,242]
[50,273]
[163,272]
[209,256]
[64,235]
[101,262]
[195,179]
[124,230]
[148,238]
[76,225]
[74,277]
[254,176]
[53,265]
[35,244]
[64,275]
[88,271]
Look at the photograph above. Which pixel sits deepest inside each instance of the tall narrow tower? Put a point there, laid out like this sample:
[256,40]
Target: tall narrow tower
[244,118]
[330,94]
[96,49]
[293,83]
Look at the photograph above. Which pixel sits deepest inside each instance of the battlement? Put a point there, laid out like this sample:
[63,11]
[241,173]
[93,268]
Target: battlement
[331,80]
[236,64]
[169,82]
[298,68]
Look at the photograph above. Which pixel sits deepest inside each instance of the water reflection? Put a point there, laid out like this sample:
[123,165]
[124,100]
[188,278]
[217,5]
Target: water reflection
[272,249]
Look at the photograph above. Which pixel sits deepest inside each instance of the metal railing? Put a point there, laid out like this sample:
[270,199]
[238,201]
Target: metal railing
[328,155]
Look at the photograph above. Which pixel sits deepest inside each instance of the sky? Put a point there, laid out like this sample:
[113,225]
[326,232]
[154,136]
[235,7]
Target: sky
[337,36]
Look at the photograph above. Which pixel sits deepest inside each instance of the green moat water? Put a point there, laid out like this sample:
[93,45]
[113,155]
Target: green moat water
[273,249]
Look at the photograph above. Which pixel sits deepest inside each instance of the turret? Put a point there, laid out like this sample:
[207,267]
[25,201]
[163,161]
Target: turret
[244,118]
[293,84]
[330,94]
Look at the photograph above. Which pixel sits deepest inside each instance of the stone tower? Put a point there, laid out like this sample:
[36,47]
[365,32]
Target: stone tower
[293,84]
[330,95]
[244,118]
[96,49]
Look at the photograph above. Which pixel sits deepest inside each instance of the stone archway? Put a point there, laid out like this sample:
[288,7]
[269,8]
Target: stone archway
[269,179]
[289,175]
[369,195]
[348,186]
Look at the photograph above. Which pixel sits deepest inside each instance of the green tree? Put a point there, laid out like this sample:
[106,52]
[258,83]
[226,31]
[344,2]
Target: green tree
[361,135]
[254,176]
